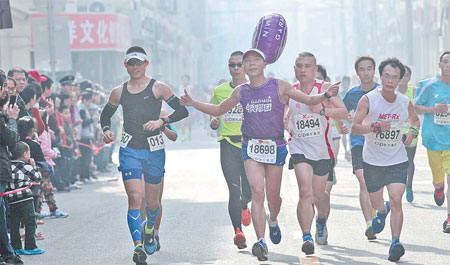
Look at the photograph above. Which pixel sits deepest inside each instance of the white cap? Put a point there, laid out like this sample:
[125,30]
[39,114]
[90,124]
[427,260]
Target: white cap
[137,55]
[254,50]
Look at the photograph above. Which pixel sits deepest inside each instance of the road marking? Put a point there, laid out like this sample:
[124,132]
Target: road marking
[309,260]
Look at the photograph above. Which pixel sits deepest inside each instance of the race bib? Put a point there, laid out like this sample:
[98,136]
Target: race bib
[264,151]
[442,118]
[233,115]
[389,138]
[126,138]
[156,142]
[307,125]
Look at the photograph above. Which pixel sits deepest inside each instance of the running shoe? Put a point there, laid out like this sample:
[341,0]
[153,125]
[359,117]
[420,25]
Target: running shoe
[36,251]
[409,195]
[158,246]
[274,232]
[308,245]
[38,236]
[149,239]
[379,220]
[369,233]
[13,260]
[446,226]
[260,250]
[42,215]
[321,233]
[58,214]
[439,195]
[19,251]
[239,239]
[396,251]
[246,217]
[139,255]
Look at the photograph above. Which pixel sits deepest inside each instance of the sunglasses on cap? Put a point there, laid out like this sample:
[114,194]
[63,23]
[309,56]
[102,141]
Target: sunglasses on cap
[233,65]
[135,62]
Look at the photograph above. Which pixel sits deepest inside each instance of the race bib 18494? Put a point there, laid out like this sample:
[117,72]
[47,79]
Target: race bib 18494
[264,151]
[307,125]
[442,118]
[126,138]
[234,115]
[389,138]
[156,142]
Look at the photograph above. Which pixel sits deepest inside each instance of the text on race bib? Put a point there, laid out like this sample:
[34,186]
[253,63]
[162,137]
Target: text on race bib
[126,138]
[389,138]
[264,151]
[442,118]
[307,125]
[156,142]
[234,115]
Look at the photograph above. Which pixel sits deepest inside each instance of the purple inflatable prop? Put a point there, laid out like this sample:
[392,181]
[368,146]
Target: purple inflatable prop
[270,36]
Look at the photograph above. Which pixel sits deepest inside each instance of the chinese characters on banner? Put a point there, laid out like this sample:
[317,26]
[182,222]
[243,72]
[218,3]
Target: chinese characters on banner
[98,31]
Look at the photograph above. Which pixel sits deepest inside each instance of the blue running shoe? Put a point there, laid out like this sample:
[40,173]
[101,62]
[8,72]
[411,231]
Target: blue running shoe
[308,245]
[379,220]
[260,250]
[149,241]
[36,251]
[19,251]
[274,232]
[321,232]
[409,195]
[396,251]
[139,255]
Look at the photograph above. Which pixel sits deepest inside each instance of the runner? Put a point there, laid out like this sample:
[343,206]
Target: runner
[408,90]
[380,116]
[230,151]
[311,149]
[263,148]
[432,99]
[365,69]
[141,147]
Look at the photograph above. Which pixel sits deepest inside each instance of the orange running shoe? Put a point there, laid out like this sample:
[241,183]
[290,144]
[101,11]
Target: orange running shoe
[246,217]
[239,239]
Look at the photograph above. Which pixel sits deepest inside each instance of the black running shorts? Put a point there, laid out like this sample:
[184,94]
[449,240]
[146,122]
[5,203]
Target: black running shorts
[377,177]
[357,161]
[320,167]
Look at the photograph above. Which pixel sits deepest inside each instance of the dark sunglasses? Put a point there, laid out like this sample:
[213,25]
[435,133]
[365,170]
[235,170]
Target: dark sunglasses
[135,62]
[233,65]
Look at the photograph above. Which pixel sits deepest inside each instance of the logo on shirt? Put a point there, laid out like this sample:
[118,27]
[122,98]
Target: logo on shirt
[259,105]
[436,95]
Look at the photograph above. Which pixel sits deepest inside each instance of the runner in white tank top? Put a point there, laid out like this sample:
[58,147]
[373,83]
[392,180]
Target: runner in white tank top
[311,151]
[380,115]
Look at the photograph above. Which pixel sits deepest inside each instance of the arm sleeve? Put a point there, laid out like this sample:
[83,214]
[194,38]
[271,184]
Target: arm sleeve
[106,115]
[180,112]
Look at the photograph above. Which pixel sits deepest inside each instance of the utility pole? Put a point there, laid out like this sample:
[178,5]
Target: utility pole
[409,33]
[51,38]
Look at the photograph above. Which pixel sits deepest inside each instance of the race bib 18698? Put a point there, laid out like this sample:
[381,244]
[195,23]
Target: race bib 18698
[234,115]
[264,151]
[126,138]
[389,138]
[156,142]
[442,118]
[307,125]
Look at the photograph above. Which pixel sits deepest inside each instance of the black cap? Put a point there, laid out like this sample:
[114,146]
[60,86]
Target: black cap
[85,84]
[67,80]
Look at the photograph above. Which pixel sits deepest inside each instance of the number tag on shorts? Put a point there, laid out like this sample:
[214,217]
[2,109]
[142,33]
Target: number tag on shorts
[389,138]
[126,138]
[234,115]
[307,125]
[264,151]
[442,118]
[156,142]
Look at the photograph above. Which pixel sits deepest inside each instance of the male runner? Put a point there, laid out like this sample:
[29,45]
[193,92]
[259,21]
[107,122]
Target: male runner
[230,150]
[311,149]
[380,116]
[141,147]
[408,90]
[365,69]
[263,148]
[433,99]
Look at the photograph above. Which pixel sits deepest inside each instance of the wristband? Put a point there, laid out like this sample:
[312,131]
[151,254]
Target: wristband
[375,127]
[105,128]
[326,95]
[414,130]
[165,120]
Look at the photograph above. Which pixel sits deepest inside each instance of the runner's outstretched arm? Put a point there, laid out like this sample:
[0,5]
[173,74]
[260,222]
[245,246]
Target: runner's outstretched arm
[211,109]
[299,96]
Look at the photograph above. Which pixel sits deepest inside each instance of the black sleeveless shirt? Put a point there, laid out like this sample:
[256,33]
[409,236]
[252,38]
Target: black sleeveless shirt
[138,109]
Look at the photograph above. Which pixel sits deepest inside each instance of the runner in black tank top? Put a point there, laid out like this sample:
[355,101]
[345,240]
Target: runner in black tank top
[141,146]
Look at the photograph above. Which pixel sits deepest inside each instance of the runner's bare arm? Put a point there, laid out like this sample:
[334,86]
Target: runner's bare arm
[288,90]
[361,112]
[440,108]
[414,121]
[214,110]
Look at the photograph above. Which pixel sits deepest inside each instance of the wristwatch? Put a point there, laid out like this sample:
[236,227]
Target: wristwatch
[322,112]
[165,120]
[326,95]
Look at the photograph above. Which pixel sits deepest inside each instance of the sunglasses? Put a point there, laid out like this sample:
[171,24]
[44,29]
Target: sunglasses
[135,62]
[233,65]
